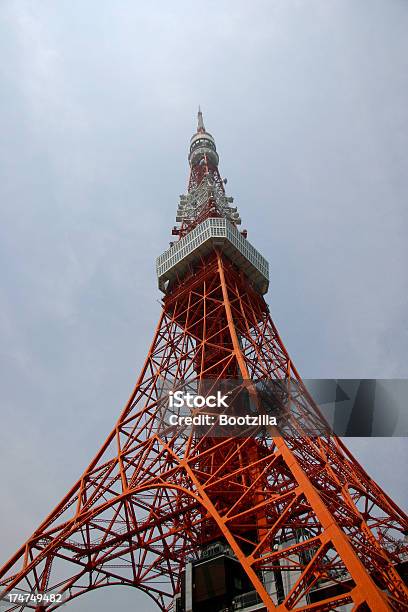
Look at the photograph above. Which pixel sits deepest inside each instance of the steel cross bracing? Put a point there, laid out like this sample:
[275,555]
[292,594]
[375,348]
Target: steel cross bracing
[153,498]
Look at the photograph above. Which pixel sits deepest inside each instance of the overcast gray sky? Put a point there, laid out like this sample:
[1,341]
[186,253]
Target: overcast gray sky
[307,101]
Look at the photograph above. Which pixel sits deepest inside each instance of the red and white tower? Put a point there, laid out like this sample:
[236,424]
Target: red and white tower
[199,521]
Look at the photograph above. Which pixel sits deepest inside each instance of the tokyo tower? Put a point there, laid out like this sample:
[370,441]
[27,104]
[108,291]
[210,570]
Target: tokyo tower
[201,520]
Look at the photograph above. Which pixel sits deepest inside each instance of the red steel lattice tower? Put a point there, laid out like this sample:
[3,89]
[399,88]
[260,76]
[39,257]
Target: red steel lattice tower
[308,528]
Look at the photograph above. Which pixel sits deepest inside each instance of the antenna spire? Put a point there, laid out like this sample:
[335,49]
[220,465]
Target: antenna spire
[200,122]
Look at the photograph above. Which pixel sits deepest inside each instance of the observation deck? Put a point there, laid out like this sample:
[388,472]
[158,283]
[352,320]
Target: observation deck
[214,232]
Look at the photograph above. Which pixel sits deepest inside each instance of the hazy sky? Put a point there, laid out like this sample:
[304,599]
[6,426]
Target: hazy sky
[307,101]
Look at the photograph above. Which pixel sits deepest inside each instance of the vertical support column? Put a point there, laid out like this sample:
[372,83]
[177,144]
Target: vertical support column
[262,523]
[235,342]
[188,603]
